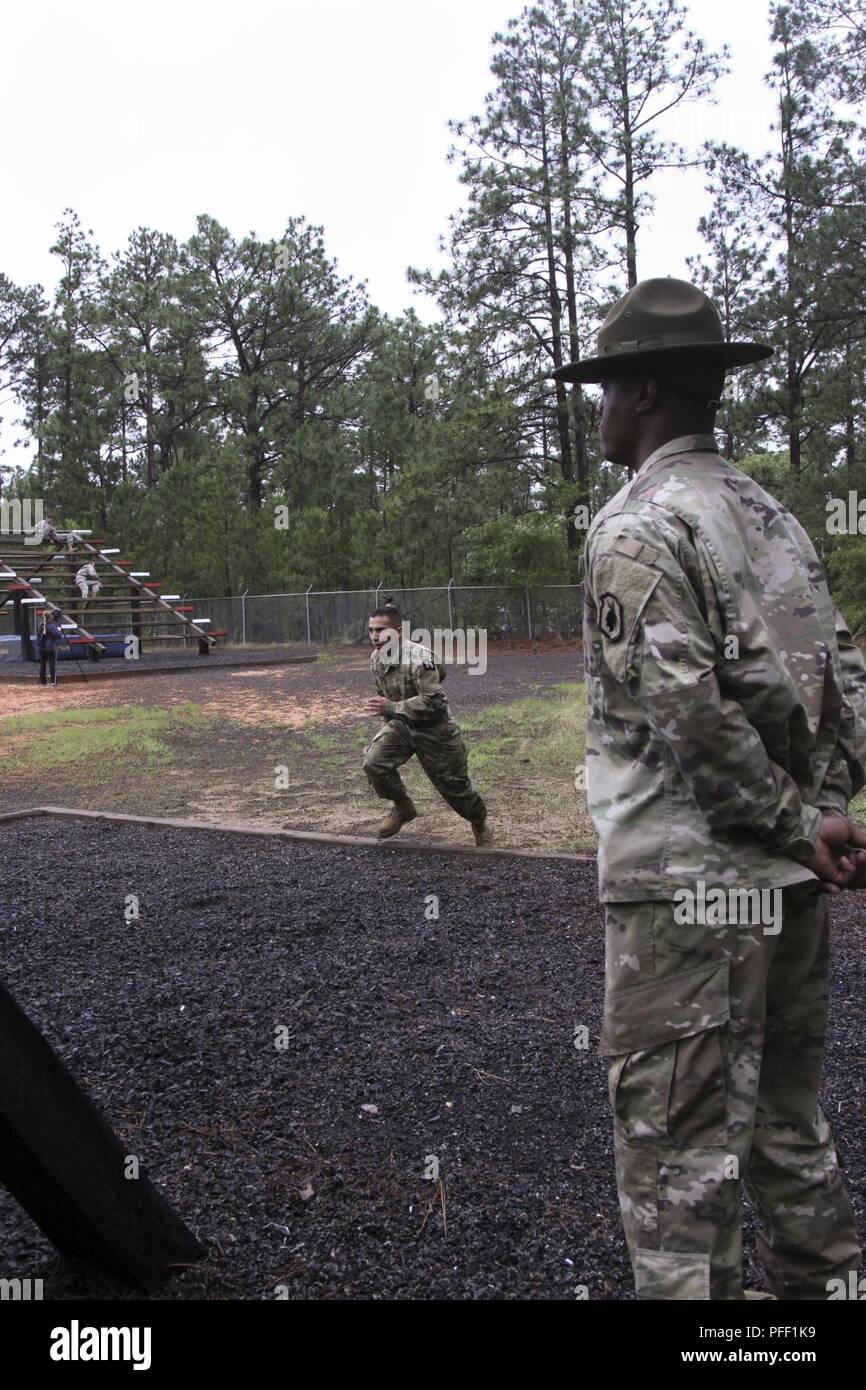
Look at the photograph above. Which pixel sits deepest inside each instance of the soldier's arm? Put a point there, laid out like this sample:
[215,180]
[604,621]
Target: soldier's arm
[664,650]
[380,688]
[430,699]
[846,775]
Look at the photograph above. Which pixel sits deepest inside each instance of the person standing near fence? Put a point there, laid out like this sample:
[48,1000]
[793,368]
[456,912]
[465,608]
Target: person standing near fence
[417,722]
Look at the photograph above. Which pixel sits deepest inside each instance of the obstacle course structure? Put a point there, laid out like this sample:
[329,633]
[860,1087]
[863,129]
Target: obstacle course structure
[62,1161]
[126,615]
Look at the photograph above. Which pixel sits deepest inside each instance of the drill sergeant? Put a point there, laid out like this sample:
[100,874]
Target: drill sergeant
[726,737]
[417,720]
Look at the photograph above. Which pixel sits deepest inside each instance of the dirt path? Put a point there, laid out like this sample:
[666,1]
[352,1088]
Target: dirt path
[282,746]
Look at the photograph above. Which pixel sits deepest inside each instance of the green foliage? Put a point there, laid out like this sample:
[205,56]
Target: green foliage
[178,394]
[516,550]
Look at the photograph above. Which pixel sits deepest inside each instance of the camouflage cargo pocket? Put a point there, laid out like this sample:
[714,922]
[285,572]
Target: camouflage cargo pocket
[673,1096]
[663,1009]
[667,1040]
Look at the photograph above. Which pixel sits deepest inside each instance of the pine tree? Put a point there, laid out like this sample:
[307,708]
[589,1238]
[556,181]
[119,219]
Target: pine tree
[525,251]
[641,62]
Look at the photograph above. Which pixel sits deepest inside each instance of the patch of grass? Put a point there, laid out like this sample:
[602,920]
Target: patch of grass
[65,737]
[537,742]
[323,743]
[338,653]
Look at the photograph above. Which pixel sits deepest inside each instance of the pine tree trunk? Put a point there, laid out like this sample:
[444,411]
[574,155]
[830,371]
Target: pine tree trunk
[578,412]
[562,422]
[628,148]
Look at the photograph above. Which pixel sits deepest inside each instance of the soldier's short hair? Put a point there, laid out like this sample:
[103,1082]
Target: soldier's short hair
[389,611]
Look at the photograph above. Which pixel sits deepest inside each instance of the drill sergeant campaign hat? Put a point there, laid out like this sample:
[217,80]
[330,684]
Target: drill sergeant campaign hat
[659,320]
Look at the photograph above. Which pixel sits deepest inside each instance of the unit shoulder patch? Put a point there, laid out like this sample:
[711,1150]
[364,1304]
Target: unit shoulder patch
[624,586]
[611,617]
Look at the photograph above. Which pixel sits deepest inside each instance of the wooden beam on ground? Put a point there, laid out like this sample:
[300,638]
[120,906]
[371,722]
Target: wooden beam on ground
[314,836]
[65,1165]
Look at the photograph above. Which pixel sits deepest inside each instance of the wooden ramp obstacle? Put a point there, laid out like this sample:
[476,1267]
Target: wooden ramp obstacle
[129,604]
[62,1161]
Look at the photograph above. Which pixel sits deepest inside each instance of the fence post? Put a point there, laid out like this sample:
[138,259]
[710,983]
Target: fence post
[307,601]
[450,610]
[528,613]
[244,616]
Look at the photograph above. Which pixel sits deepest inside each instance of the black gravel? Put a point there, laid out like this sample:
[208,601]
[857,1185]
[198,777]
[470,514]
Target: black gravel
[456,1034]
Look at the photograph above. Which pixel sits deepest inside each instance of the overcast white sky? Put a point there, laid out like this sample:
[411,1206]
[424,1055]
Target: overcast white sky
[149,113]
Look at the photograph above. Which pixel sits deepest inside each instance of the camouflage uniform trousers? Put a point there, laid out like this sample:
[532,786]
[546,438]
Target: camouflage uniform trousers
[715,1067]
[440,751]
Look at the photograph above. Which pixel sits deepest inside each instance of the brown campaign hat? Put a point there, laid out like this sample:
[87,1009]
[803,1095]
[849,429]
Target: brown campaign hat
[657,318]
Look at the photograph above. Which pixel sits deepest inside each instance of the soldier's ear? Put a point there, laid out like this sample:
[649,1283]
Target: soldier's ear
[646,394]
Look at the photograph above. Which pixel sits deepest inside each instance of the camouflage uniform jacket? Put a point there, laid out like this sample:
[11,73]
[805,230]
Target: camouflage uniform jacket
[411,684]
[727,699]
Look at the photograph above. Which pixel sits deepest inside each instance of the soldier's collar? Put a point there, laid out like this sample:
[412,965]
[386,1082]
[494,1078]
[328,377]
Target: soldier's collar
[684,444]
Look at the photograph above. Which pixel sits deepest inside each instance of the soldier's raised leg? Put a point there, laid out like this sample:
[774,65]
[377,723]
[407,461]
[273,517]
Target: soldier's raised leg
[442,754]
[390,749]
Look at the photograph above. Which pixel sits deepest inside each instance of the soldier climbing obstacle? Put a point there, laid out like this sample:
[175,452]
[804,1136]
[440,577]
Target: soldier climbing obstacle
[48,534]
[87,580]
[417,721]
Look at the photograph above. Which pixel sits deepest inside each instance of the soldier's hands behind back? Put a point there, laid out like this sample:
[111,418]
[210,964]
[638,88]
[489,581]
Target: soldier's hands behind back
[856,852]
[830,862]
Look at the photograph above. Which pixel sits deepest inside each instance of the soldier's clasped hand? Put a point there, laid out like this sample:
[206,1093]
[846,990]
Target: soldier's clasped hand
[856,853]
[377,705]
[839,860]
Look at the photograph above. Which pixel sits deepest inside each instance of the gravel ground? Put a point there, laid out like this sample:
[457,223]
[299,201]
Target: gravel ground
[155,660]
[511,673]
[407,1038]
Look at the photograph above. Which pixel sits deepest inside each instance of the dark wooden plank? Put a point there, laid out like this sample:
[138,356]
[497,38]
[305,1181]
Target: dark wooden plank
[65,1165]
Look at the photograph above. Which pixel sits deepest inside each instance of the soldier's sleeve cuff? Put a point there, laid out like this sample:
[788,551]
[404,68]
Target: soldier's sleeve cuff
[803,845]
[391,708]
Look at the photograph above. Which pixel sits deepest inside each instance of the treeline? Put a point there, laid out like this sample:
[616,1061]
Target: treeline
[178,395]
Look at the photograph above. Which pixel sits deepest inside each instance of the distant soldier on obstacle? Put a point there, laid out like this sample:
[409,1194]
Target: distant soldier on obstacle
[417,721]
[48,534]
[87,579]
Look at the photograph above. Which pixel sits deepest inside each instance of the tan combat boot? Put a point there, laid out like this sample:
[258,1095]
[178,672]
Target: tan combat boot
[400,814]
[482,833]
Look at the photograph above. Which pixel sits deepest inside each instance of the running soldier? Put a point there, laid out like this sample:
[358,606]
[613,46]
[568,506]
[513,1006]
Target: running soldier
[417,721]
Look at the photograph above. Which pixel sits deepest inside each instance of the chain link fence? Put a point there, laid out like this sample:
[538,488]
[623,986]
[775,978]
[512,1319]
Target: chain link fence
[320,617]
